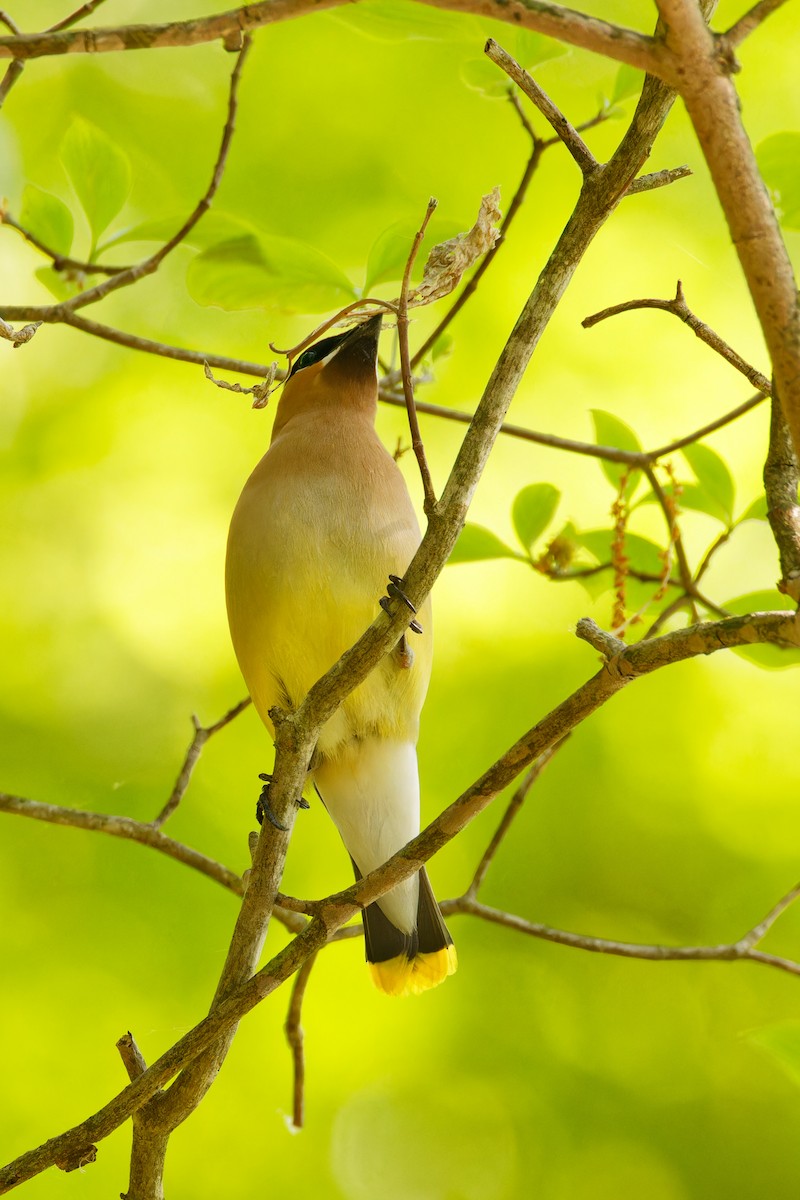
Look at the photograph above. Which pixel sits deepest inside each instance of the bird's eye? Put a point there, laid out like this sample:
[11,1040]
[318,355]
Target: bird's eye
[317,352]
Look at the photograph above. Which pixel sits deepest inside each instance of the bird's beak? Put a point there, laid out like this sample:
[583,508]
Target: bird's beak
[358,352]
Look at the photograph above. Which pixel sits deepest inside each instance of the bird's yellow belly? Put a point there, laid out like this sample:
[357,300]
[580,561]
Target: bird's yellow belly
[306,570]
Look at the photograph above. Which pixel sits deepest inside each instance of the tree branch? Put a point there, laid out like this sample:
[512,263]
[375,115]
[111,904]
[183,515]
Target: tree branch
[514,805]
[568,25]
[296,1038]
[331,914]
[417,445]
[564,131]
[781,479]
[750,22]
[679,308]
[703,78]
[127,828]
[201,736]
[741,951]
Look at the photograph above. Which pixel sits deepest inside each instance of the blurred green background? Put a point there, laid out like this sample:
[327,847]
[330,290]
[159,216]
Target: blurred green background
[671,816]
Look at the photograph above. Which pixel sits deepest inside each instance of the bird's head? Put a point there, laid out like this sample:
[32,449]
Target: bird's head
[336,372]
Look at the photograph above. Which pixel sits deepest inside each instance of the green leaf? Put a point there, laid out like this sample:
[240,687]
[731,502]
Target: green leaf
[771,658]
[595,585]
[610,431]
[442,347]
[779,162]
[476,543]
[757,511]
[528,48]
[713,477]
[782,1043]
[628,82]
[99,170]
[212,227]
[56,283]
[47,218]
[267,272]
[533,510]
[695,498]
[390,250]
[387,21]
[642,554]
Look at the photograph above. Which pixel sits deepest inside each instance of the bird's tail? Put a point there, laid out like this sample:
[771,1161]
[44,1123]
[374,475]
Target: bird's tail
[405,964]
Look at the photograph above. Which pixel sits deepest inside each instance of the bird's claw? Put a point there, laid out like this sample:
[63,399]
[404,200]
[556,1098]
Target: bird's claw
[263,806]
[394,589]
[396,593]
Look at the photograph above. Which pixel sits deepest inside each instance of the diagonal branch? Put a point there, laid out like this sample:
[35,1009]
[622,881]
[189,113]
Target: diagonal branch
[295,1036]
[679,308]
[123,827]
[61,262]
[564,130]
[514,805]
[707,90]
[201,736]
[750,22]
[642,658]
[405,366]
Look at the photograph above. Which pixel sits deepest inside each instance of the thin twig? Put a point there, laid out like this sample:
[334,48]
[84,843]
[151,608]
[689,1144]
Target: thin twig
[725,952]
[708,557]
[711,427]
[201,736]
[61,262]
[295,1036]
[471,285]
[538,147]
[781,479]
[760,931]
[514,805]
[750,22]
[658,179]
[17,66]
[679,308]
[85,10]
[417,444]
[338,317]
[565,131]
[134,342]
[132,1058]
[634,458]
[149,265]
[674,534]
[123,827]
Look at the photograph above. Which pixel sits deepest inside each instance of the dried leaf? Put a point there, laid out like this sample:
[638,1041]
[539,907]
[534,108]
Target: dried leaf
[448,261]
[260,391]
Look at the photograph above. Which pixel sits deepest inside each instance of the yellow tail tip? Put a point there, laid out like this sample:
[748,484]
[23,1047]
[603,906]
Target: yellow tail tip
[403,976]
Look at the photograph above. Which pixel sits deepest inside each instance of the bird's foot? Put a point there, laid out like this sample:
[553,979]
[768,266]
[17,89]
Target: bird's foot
[395,592]
[263,806]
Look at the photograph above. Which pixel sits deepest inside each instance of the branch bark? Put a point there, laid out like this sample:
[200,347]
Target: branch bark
[703,76]
[566,24]
[635,661]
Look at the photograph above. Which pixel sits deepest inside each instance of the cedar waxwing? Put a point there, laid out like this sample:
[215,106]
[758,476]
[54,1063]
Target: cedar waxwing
[322,523]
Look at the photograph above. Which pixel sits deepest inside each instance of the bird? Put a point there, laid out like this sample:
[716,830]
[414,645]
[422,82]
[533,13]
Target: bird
[324,519]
